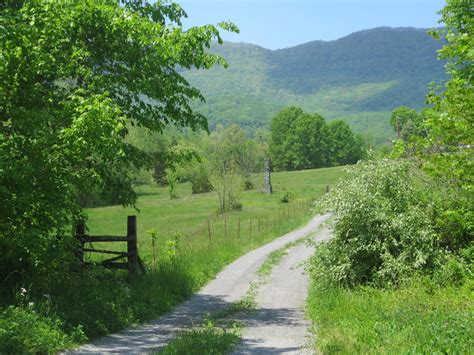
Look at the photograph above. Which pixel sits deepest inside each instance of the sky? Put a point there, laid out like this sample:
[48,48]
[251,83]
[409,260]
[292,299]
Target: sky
[275,24]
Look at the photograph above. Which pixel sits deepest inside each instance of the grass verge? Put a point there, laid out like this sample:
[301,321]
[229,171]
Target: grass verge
[275,257]
[219,334]
[419,318]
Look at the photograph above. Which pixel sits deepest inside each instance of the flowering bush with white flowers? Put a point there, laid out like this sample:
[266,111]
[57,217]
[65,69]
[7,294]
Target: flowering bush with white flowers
[384,227]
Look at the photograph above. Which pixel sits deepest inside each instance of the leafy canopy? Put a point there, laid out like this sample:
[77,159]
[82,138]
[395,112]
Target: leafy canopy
[450,124]
[301,140]
[384,228]
[73,76]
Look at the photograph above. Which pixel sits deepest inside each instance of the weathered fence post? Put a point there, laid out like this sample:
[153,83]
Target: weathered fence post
[238,229]
[209,232]
[225,226]
[250,234]
[132,253]
[80,232]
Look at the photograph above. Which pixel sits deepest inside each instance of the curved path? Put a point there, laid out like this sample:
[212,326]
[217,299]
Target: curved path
[278,326]
[229,286]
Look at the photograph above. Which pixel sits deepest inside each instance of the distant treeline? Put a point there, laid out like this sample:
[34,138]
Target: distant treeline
[302,140]
[297,141]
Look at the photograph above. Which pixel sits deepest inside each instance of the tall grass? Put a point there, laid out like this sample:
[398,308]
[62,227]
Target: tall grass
[418,318]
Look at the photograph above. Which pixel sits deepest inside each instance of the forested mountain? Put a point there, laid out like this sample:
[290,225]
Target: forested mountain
[359,78]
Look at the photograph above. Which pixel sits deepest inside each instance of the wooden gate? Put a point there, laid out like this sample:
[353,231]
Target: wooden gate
[133,262]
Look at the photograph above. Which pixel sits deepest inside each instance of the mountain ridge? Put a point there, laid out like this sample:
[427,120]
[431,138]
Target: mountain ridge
[360,77]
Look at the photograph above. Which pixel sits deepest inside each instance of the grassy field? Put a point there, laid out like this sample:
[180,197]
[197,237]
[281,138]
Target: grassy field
[262,217]
[96,301]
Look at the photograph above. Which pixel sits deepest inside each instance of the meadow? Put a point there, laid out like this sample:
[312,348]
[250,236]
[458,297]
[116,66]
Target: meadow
[95,301]
[190,218]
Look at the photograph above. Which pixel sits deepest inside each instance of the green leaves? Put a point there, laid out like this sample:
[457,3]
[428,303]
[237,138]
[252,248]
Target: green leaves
[450,124]
[73,76]
[384,228]
[402,118]
[303,141]
[444,149]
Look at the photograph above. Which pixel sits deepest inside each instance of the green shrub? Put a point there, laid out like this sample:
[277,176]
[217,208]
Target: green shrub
[286,197]
[248,185]
[233,204]
[456,222]
[200,181]
[455,272]
[22,330]
[384,227]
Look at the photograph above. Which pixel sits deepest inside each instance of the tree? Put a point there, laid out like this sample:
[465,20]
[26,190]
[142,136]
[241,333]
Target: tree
[74,75]
[280,127]
[401,117]
[308,142]
[301,140]
[345,147]
[446,147]
[450,124]
[229,153]
[157,145]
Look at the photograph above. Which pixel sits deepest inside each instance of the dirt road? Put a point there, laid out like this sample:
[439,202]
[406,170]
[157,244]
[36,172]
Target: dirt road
[281,302]
[278,325]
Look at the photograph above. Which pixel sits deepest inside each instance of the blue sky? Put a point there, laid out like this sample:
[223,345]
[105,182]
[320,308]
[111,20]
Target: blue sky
[284,23]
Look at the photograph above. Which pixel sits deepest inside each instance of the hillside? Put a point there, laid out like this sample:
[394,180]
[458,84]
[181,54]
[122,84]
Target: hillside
[360,78]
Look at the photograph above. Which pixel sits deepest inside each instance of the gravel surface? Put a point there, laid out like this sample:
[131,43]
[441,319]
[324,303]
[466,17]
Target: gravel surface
[278,326]
[229,286]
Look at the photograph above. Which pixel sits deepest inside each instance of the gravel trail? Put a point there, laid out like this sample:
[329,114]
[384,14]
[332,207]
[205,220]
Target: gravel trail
[278,326]
[230,285]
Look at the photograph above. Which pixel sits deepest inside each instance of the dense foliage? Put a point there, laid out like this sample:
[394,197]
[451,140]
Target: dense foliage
[73,76]
[402,254]
[384,227]
[406,122]
[25,331]
[450,123]
[445,146]
[360,78]
[299,140]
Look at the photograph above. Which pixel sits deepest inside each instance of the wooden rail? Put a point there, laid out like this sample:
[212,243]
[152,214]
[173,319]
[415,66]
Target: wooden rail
[133,263]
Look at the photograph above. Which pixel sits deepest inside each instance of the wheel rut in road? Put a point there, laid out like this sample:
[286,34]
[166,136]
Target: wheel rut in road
[229,286]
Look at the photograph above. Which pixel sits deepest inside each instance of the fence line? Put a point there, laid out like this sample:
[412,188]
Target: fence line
[215,227]
[133,263]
